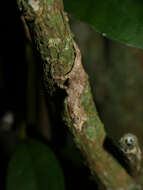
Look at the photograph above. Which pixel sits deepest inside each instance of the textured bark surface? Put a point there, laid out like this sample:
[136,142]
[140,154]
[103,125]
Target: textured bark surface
[62,68]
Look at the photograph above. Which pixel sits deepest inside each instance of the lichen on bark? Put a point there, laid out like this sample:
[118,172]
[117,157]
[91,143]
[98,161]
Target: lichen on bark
[62,68]
[52,37]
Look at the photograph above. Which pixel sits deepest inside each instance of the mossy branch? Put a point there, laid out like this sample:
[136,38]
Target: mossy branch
[61,59]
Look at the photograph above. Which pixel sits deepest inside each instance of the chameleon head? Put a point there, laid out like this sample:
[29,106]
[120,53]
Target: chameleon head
[129,143]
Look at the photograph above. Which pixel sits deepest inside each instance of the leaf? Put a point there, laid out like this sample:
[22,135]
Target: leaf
[34,167]
[119,20]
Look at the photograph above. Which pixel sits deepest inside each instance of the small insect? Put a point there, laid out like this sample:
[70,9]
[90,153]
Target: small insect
[130,147]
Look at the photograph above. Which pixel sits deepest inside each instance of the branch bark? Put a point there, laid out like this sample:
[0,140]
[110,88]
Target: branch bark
[62,68]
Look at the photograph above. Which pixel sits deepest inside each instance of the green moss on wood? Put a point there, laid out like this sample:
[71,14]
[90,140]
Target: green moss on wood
[52,37]
[93,127]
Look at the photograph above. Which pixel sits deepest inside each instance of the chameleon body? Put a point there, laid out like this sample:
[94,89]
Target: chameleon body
[129,145]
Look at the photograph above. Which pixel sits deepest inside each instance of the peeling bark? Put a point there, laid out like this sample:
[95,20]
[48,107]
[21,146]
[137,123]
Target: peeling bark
[62,68]
[77,81]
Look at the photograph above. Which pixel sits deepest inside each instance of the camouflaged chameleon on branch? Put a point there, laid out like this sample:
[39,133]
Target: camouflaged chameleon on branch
[129,145]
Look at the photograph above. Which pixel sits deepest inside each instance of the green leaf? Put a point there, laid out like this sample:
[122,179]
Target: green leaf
[34,167]
[120,20]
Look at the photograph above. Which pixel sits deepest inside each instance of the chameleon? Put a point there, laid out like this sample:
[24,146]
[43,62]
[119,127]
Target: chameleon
[130,148]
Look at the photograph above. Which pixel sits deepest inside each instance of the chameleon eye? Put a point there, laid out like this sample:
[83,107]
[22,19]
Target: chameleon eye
[129,141]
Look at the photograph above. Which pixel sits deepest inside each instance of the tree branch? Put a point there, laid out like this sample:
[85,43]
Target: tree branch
[62,68]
